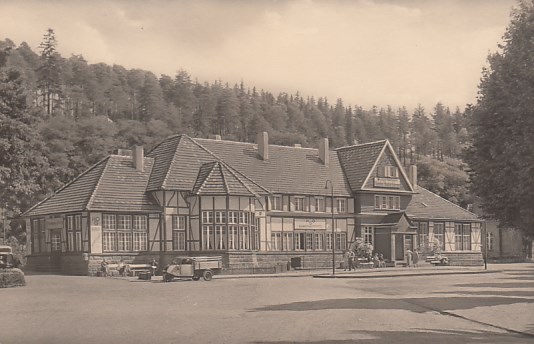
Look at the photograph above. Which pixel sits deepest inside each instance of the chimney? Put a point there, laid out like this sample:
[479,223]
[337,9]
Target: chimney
[297,145]
[412,175]
[263,145]
[138,158]
[216,137]
[324,151]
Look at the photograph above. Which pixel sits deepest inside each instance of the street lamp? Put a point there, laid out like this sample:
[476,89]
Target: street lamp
[333,241]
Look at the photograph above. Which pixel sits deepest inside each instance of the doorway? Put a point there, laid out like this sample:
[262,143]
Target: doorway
[55,254]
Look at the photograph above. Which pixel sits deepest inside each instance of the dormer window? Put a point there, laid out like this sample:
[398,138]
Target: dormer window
[388,171]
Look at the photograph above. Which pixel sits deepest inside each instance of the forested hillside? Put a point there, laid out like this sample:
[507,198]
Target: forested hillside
[68,114]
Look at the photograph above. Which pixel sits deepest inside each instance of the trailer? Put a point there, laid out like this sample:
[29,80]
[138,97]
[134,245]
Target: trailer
[193,267]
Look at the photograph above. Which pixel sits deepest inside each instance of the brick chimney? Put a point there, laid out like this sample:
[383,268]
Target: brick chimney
[324,151]
[263,145]
[138,158]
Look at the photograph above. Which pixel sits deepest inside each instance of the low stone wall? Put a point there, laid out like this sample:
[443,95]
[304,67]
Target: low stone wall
[464,258]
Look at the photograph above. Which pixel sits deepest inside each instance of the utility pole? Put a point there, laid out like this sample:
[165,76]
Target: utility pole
[4,218]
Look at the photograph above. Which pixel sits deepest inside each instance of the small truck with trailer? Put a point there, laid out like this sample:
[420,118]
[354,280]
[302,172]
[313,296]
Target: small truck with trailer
[192,267]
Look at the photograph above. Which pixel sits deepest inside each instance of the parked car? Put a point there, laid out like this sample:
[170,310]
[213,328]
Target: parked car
[7,260]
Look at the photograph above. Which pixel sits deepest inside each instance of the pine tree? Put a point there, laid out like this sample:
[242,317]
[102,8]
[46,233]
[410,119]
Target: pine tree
[49,73]
[502,153]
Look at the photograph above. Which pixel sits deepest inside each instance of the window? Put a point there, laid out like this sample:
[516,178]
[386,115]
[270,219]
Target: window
[388,171]
[439,234]
[232,237]
[207,217]
[233,217]
[462,236]
[309,241]
[244,237]
[341,241]
[299,241]
[276,203]
[207,237]
[243,217]
[220,237]
[422,231]
[319,241]
[178,232]
[220,217]
[276,241]
[38,234]
[368,235]
[320,204]
[124,233]
[387,202]
[490,241]
[74,233]
[299,203]
[341,205]
[288,241]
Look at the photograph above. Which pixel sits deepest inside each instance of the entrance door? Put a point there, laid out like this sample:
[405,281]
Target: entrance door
[399,246]
[55,255]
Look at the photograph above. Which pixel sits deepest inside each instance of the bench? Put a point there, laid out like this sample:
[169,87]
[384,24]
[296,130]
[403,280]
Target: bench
[443,261]
[130,269]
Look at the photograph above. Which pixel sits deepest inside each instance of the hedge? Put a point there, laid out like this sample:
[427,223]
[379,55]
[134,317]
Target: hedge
[11,278]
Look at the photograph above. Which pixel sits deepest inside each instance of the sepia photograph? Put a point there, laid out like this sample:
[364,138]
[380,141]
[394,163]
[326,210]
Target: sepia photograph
[266,171]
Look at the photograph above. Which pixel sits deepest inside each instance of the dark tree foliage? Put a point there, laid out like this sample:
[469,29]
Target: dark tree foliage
[502,152]
[23,167]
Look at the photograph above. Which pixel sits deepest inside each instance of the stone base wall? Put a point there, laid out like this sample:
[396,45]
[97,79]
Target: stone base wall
[464,258]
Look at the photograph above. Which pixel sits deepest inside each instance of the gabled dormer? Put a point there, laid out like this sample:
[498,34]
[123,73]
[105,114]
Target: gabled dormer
[374,167]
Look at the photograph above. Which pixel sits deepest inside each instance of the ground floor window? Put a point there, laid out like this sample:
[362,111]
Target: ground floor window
[220,237]
[178,232]
[462,236]
[422,232]
[74,233]
[38,236]
[124,233]
[439,235]
[307,241]
[369,235]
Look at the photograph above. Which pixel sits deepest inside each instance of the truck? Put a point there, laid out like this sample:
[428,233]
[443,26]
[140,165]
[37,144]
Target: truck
[193,268]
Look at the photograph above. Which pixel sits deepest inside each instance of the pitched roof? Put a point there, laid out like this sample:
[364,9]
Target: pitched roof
[111,184]
[289,170]
[217,178]
[358,161]
[177,162]
[123,188]
[428,205]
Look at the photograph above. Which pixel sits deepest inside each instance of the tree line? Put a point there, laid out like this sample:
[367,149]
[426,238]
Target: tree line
[68,114]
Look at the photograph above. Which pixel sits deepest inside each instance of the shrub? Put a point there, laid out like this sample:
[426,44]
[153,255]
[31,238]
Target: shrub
[11,278]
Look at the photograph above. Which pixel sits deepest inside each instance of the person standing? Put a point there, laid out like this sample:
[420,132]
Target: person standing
[345,260]
[415,258]
[352,256]
[409,257]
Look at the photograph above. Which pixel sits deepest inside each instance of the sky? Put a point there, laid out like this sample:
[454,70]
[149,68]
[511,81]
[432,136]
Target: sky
[381,52]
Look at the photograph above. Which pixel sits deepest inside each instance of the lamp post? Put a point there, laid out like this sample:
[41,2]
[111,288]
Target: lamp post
[333,241]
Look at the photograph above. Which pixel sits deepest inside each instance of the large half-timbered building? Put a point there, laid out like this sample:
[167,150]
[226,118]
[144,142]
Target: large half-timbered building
[257,205]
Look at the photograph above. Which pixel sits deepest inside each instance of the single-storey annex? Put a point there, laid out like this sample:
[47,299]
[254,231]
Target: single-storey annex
[257,205]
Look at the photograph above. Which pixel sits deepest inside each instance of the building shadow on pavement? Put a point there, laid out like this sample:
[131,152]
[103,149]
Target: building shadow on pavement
[491,292]
[496,285]
[417,305]
[437,336]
